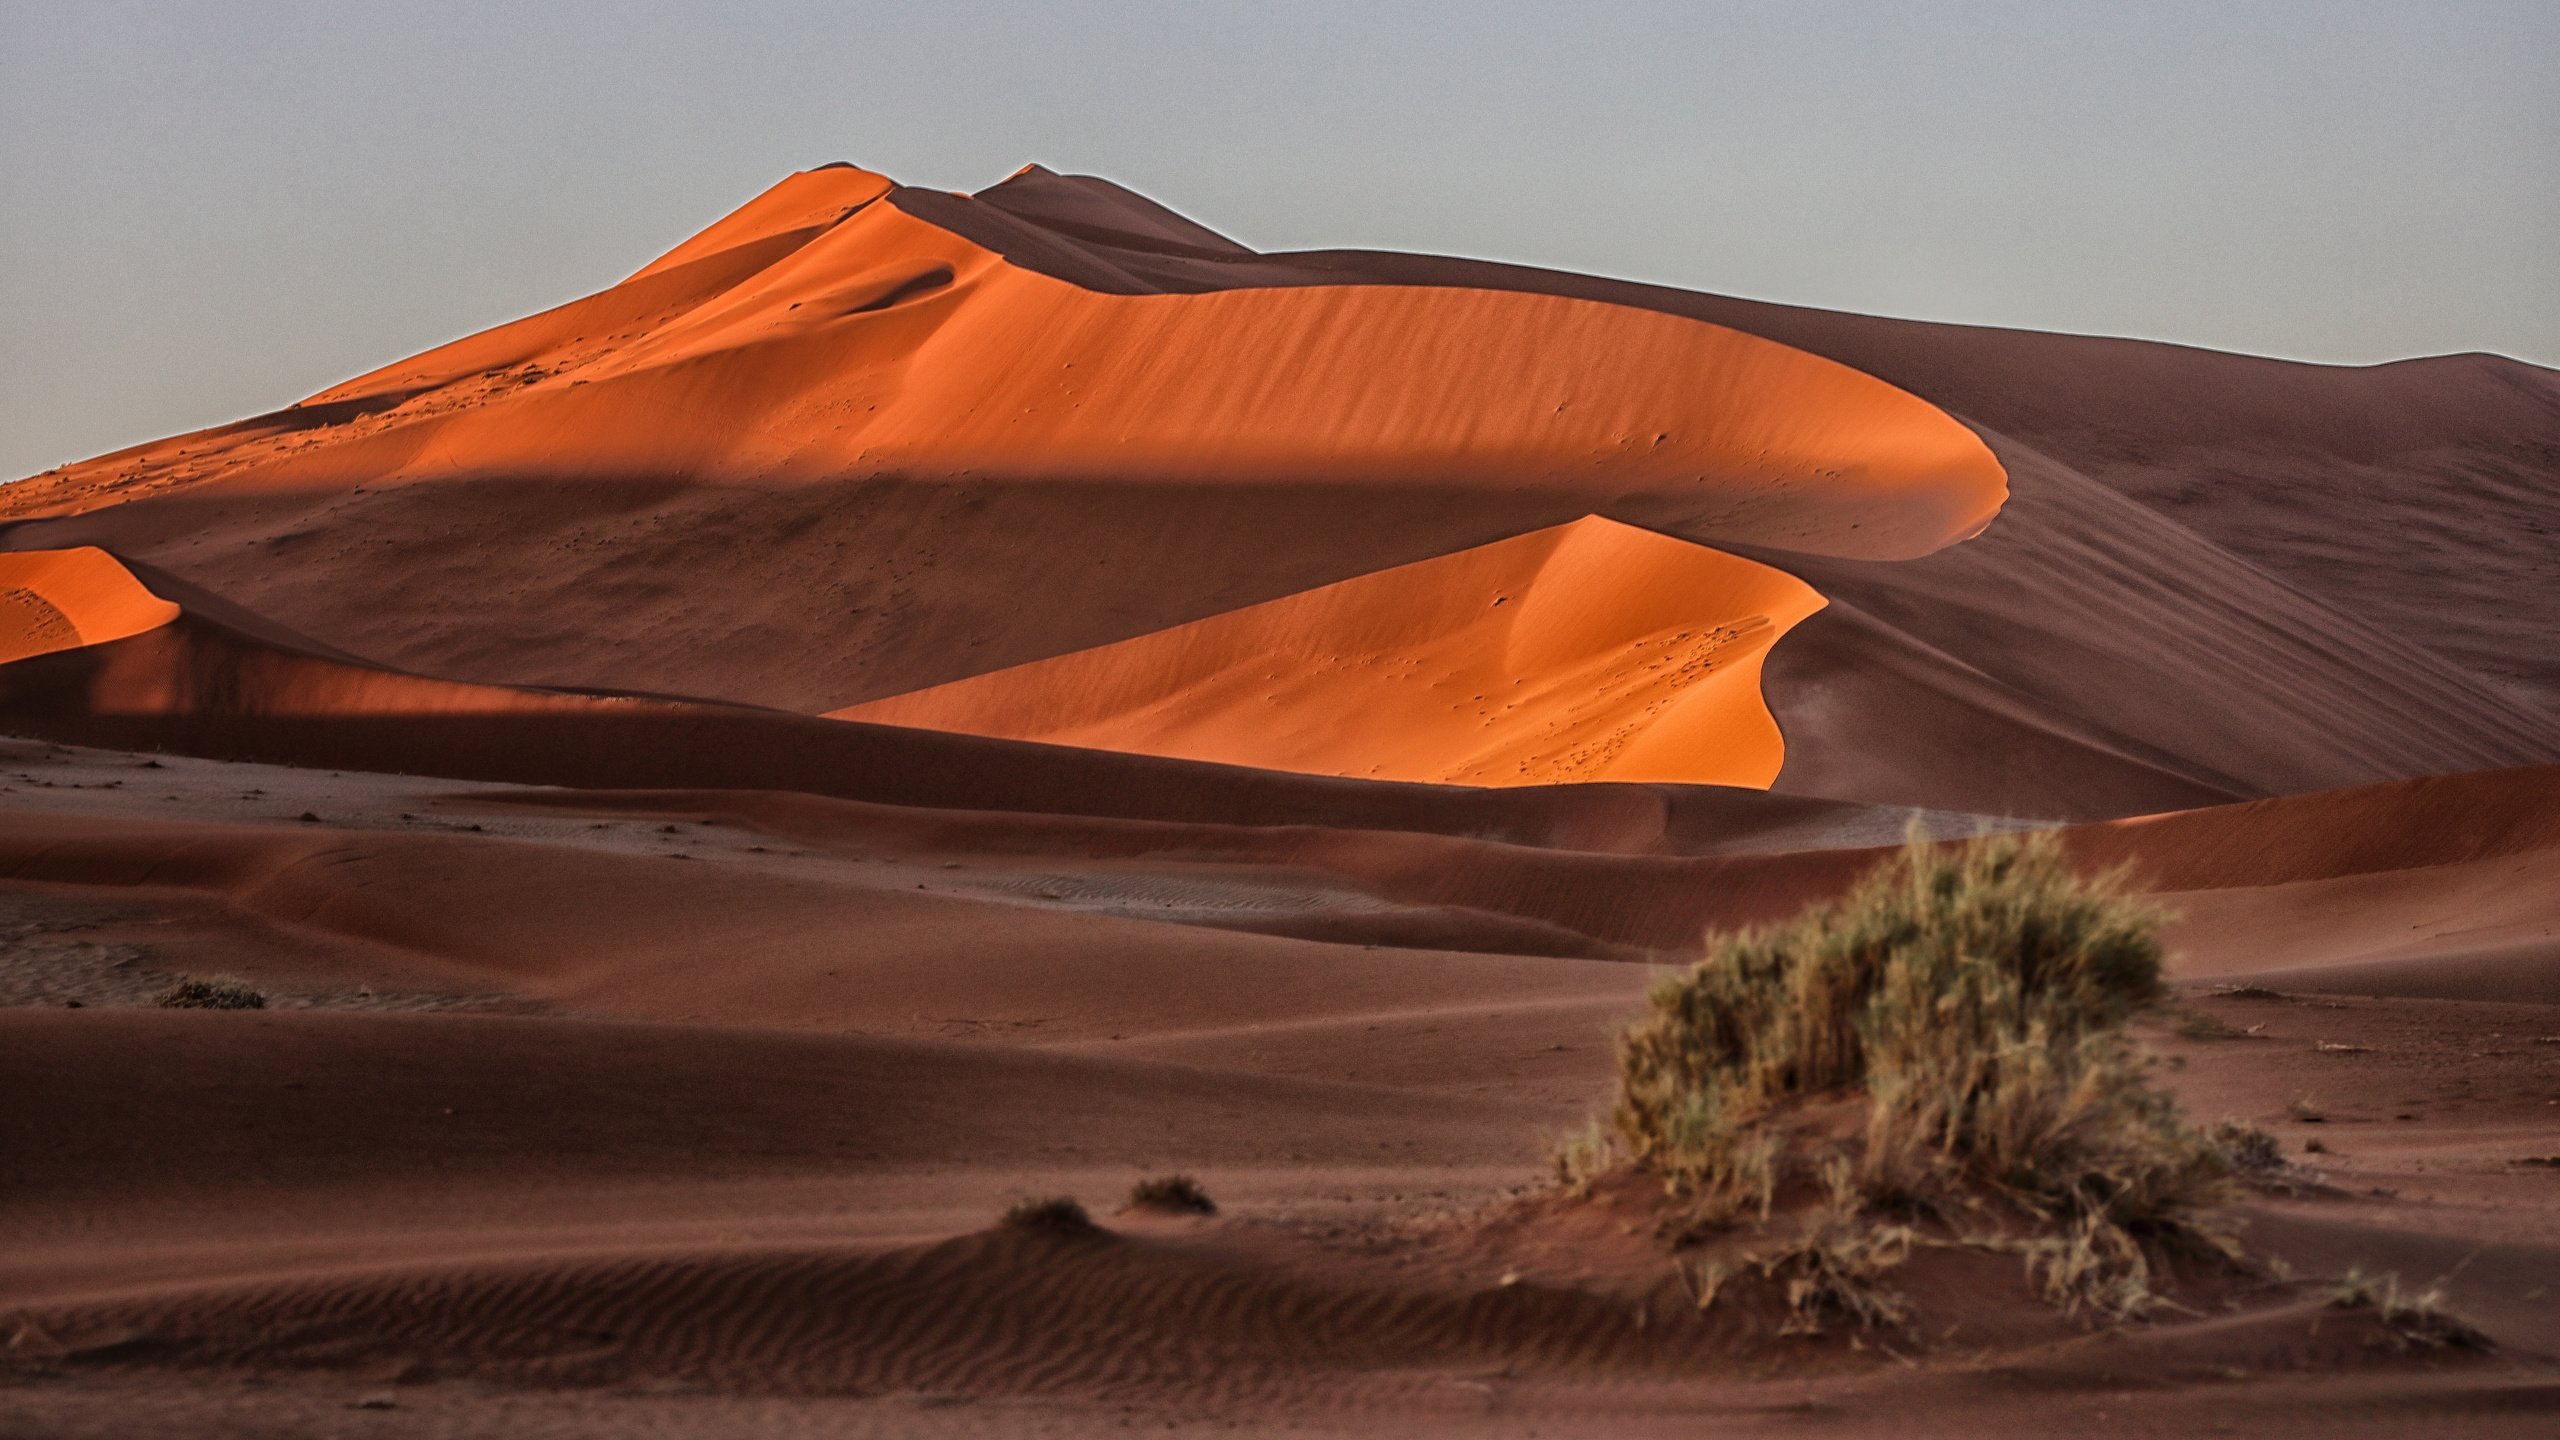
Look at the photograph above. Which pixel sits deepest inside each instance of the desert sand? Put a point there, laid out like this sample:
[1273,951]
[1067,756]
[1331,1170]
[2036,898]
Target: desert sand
[912,702]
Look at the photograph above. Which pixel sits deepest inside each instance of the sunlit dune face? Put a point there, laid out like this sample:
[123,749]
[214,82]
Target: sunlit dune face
[1591,651]
[812,198]
[63,599]
[823,332]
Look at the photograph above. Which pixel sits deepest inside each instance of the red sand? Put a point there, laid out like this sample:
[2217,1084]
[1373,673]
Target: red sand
[1292,701]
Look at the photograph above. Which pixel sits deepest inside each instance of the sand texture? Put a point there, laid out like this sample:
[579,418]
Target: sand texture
[914,701]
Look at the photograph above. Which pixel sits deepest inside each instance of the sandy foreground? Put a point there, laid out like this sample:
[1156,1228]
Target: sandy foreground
[508,1151]
[914,702]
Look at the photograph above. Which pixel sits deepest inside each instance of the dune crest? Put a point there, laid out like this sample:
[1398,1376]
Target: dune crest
[1589,651]
[63,599]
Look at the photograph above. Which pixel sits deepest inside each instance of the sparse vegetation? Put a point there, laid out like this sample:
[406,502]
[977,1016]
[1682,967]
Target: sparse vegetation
[2251,1152]
[1946,1042]
[1051,1215]
[2248,992]
[2196,1025]
[1835,1275]
[1173,1195]
[2414,1322]
[222,992]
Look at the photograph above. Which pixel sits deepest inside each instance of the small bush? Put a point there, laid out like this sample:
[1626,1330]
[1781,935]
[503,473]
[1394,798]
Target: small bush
[2248,1150]
[222,992]
[1952,1032]
[1173,1195]
[1055,1215]
[2414,1322]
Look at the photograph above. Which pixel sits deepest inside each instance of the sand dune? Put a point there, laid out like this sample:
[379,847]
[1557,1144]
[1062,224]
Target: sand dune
[219,682]
[911,701]
[879,342]
[839,330]
[1593,651]
[63,599]
[900,510]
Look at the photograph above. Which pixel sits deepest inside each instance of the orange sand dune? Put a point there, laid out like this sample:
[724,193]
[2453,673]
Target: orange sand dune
[1592,651]
[819,332]
[219,681]
[2352,562]
[61,599]
[2121,641]
[719,1050]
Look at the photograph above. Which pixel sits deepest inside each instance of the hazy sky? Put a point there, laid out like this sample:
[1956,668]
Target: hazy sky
[211,209]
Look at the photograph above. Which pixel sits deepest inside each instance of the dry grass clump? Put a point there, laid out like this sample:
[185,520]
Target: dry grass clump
[222,992]
[1835,1275]
[1172,1195]
[2414,1322]
[1049,1215]
[1949,1040]
[2251,1152]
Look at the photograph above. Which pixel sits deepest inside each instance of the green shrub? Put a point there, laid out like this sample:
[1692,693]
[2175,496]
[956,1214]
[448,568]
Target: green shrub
[219,993]
[1952,1031]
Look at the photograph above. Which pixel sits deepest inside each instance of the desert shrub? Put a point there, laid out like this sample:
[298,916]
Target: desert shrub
[1953,1030]
[1052,1215]
[2248,1150]
[222,992]
[1172,1194]
[2414,1322]
[1584,1156]
[1835,1275]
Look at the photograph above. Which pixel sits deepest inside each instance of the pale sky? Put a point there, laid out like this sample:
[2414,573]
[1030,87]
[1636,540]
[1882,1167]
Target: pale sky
[213,209]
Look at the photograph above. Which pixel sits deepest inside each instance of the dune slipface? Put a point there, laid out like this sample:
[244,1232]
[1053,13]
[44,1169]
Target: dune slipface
[1592,651]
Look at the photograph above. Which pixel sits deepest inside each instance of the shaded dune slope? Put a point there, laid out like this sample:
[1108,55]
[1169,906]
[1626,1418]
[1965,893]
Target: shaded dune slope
[1593,651]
